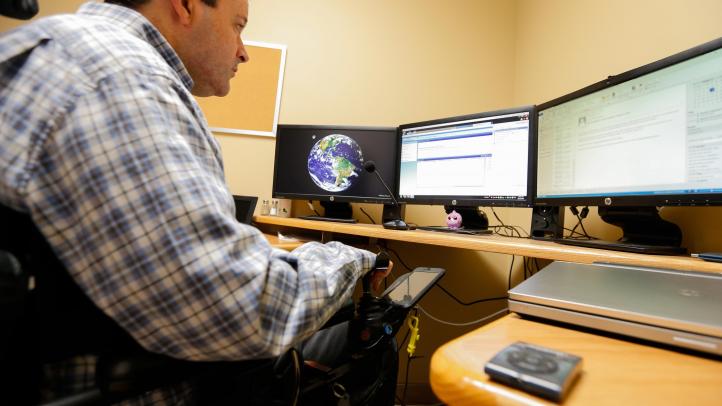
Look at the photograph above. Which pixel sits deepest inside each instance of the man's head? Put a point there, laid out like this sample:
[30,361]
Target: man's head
[206,34]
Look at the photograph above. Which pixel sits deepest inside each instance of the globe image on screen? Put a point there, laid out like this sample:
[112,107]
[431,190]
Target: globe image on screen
[335,162]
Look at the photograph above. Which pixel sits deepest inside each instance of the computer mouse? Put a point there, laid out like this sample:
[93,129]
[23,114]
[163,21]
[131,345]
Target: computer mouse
[397,225]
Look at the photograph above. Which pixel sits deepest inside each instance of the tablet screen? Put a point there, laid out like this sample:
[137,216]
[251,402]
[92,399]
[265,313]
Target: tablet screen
[412,286]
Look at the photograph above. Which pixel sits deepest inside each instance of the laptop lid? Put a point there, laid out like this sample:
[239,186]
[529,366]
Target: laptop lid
[686,301]
[245,205]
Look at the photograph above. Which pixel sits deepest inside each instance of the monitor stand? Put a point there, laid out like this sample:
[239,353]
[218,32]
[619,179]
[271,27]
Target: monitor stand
[643,231]
[473,221]
[334,211]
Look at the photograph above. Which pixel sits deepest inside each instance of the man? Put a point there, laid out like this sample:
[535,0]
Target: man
[102,144]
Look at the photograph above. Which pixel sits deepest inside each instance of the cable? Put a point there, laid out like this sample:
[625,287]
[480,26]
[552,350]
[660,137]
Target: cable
[582,216]
[511,268]
[396,254]
[580,223]
[512,229]
[468,303]
[310,206]
[406,379]
[367,215]
[448,323]
[438,285]
[408,365]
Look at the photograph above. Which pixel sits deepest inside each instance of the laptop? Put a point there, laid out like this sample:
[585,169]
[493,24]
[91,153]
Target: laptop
[679,308]
[245,205]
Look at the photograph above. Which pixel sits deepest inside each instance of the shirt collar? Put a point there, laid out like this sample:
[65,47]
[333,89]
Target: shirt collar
[138,25]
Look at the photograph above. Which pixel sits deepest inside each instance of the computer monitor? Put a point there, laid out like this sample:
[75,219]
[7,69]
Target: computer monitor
[326,163]
[645,138]
[464,162]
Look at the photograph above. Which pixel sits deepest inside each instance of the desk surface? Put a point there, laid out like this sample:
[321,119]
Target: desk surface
[614,372]
[504,245]
[282,244]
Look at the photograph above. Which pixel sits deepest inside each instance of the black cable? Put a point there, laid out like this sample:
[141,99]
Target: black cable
[513,229]
[468,303]
[572,232]
[408,366]
[581,217]
[580,223]
[396,254]
[310,204]
[514,233]
[406,379]
[367,215]
[511,268]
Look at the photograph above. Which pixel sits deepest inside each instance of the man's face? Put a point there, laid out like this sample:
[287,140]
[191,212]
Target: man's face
[215,47]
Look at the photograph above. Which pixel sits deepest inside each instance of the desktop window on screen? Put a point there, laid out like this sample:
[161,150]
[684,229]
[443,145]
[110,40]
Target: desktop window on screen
[657,134]
[484,157]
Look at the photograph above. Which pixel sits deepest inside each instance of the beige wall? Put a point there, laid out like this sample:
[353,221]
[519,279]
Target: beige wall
[377,62]
[380,62]
[563,45]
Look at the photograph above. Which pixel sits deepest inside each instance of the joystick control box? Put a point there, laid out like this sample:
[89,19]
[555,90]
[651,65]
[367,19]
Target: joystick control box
[538,370]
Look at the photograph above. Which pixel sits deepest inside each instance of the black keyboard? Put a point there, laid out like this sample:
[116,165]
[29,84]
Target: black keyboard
[445,229]
[622,246]
[319,218]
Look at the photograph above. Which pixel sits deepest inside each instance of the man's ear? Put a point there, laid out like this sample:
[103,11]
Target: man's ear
[183,10]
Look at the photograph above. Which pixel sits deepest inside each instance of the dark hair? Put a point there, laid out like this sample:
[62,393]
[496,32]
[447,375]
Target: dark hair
[136,3]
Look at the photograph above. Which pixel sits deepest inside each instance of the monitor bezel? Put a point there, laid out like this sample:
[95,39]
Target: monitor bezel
[449,200]
[708,199]
[332,197]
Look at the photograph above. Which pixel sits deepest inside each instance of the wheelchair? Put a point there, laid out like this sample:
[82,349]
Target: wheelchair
[46,318]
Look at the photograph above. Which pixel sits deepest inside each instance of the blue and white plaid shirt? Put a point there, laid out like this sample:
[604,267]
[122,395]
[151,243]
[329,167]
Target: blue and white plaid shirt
[103,145]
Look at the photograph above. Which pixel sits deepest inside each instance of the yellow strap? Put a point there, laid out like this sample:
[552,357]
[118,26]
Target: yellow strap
[413,323]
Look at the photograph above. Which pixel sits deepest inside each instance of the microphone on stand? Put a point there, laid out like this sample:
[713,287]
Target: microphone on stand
[394,222]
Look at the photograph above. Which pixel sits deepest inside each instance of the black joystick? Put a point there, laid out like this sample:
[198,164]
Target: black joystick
[371,322]
[381,264]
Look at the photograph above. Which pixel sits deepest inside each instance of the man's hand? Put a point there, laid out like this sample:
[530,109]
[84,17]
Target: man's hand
[378,276]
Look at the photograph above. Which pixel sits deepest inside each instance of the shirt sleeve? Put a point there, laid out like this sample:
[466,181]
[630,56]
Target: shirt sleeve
[129,190]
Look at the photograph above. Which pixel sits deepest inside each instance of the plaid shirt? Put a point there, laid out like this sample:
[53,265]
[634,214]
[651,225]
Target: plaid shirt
[103,145]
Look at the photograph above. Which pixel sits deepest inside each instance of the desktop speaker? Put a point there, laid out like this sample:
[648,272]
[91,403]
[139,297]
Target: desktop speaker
[547,222]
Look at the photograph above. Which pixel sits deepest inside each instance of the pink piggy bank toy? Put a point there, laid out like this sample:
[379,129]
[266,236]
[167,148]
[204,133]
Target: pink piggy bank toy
[453,220]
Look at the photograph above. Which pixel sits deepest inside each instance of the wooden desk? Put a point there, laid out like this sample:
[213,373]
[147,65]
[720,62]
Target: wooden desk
[615,372]
[284,245]
[493,243]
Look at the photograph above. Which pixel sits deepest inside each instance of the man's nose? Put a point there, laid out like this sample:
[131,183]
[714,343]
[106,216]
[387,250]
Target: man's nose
[242,54]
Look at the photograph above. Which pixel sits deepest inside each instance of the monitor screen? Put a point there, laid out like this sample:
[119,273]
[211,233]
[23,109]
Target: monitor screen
[327,163]
[475,160]
[648,137]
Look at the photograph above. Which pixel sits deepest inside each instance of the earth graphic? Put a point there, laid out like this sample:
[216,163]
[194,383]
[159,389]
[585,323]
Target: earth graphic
[335,162]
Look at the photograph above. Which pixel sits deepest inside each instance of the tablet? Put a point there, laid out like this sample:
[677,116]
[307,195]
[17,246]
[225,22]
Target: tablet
[410,287]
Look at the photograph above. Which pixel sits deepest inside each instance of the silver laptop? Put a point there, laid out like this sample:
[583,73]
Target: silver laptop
[672,307]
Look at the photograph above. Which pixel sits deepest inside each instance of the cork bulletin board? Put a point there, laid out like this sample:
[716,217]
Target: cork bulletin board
[252,105]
